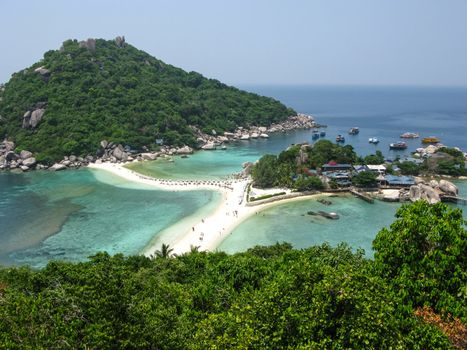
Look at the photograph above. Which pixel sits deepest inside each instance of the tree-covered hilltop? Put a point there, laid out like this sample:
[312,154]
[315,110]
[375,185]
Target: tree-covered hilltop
[266,298]
[89,91]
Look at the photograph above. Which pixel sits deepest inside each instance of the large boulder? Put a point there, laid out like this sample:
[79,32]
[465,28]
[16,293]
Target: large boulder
[26,119]
[209,146]
[414,193]
[148,156]
[434,184]
[7,146]
[89,44]
[10,156]
[42,70]
[247,168]
[119,153]
[57,167]
[184,150]
[429,194]
[36,117]
[25,154]
[120,41]
[104,144]
[448,187]
[29,162]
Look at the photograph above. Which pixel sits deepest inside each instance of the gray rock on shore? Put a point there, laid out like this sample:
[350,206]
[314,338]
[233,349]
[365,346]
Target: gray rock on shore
[29,162]
[448,187]
[25,154]
[57,167]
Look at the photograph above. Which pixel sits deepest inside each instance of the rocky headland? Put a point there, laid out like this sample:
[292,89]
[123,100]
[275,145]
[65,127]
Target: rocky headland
[24,160]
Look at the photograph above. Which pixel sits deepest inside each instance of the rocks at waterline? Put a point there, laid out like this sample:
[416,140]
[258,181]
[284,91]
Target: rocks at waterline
[209,146]
[208,141]
[422,191]
[57,167]
[430,190]
[25,154]
[29,162]
[448,187]
[247,168]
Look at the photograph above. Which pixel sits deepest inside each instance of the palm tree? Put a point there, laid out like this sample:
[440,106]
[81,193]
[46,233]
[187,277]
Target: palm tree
[164,252]
[194,248]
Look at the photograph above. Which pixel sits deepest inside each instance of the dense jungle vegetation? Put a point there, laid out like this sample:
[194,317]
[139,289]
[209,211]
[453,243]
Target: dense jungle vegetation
[410,296]
[113,91]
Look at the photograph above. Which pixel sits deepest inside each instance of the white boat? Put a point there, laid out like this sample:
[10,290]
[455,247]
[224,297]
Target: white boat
[373,140]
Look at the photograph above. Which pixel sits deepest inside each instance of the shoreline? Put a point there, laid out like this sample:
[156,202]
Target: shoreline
[208,233]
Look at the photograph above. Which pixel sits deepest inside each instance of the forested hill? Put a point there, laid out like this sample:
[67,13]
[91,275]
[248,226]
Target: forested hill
[97,89]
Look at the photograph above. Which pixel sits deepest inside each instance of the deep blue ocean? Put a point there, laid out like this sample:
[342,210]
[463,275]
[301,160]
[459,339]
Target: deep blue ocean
[382,112]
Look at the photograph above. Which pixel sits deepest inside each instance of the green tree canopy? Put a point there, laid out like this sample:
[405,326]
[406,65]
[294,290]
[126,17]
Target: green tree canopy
[123,95]
[423,255]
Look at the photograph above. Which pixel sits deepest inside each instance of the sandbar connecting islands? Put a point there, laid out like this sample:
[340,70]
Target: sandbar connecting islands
[208,233]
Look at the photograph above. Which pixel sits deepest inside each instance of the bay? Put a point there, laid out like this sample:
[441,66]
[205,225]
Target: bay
[73,214]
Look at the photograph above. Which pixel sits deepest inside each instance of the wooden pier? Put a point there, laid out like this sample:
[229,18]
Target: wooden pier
[361,195]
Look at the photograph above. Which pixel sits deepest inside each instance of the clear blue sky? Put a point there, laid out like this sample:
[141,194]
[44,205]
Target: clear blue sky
[383,42]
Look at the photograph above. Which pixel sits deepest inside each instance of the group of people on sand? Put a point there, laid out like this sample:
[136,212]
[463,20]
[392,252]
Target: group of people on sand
[169,182]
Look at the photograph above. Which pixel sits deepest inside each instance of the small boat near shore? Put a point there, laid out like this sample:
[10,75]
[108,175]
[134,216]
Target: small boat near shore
[354,131]
[431,139]
[340,138]
[315,135]
[409,135]
[322,133]
[398,145]
[373,140]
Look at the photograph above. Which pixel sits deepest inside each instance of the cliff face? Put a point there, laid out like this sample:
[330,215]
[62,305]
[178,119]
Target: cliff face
[96,89]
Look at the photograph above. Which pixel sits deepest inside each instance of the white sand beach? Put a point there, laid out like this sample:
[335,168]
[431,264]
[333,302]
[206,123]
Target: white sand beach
[211,230]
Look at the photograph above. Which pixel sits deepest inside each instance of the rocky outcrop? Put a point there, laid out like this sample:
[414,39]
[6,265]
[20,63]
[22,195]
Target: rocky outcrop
[209,146]
[425,192]
[42,71]
[36,117]
[57,167]
[184,150]
[247,168]
[89,44]
[29,162]
[120,154]
[26,119]
[448,188]
[300,121]
[25,154]
[32,117]
[148,156]
[120,41]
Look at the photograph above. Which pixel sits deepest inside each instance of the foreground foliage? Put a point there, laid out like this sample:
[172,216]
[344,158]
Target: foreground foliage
[123,95]
[268,297]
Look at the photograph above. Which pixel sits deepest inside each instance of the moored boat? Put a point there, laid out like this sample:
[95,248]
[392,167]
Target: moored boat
[354,131]
[398,145]
[410,135]
[322,133]
[431,139]
[340,138]
[315,135]
[373,140]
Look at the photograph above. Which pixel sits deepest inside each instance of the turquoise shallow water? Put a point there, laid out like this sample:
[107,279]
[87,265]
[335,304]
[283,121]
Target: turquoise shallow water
[358,224]
[71,215]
